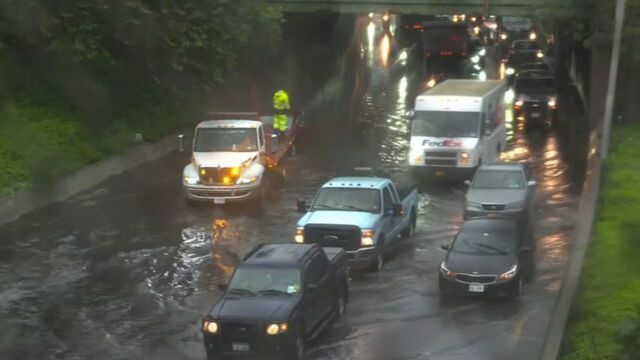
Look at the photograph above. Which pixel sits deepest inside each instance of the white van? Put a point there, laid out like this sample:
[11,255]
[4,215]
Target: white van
[457,125]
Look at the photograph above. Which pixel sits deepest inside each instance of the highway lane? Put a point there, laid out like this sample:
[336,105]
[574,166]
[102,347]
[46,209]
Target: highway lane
[127,269]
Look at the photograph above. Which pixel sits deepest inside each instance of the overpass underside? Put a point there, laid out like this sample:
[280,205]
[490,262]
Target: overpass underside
[436,7]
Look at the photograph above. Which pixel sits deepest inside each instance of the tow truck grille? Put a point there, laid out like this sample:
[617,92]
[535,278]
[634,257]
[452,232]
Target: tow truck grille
[216,176]
[346,237]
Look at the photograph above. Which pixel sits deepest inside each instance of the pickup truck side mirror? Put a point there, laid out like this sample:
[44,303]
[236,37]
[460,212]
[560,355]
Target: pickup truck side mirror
[398,210]
[181,142]
[223,287]
[302,206]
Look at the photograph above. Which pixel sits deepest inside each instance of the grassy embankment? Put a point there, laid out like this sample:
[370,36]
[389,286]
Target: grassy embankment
[610,284]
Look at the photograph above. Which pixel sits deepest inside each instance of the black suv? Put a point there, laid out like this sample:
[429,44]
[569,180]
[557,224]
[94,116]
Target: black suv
[279,297]
[535,97]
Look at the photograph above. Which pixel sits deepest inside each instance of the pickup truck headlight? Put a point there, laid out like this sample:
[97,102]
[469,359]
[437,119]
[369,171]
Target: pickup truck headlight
[509,274]
[367,238]
[191,180]
[275,329]
[299,238]
[446,272]
[210,327]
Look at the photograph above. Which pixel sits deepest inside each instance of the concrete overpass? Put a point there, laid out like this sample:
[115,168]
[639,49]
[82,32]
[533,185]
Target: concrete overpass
[436,7]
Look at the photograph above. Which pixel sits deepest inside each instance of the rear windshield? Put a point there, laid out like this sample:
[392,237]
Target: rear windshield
[488,242]
[534,85]
[525,45]
[348,199]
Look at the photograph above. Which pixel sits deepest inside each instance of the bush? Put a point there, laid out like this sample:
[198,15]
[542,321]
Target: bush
[628,337]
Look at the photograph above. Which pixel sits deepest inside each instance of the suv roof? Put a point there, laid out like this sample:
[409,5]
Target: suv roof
[503,166]
[535,74]
[356,182]
[279,254]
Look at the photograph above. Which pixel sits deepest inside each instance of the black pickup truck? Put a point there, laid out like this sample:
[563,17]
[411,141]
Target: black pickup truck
[279,297]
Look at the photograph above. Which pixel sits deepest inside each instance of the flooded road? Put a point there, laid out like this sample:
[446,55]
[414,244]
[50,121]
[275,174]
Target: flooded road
[126,270]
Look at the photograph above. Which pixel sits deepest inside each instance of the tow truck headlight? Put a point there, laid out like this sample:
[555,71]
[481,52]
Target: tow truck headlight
[509,274]
[190,180]
[210,327]
[446,272]
[299,238]
[367,238]
[247,180]
[275,329]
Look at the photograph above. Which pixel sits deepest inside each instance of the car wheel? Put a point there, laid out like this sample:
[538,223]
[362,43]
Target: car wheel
[378,262]
[518,289]
[341,304]
[410,230]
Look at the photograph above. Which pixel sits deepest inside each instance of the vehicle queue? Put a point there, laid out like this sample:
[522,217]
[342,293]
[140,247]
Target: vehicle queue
[283,295]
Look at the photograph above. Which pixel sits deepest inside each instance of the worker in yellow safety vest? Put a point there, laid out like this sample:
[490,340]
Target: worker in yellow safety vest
[282,107]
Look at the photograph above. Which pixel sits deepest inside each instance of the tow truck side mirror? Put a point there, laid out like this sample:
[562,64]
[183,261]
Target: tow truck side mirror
[302,206]
[181,142]
[223,287]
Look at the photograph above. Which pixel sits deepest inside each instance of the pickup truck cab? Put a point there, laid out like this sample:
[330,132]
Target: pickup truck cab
[279,297]
[234,158]
[366,216]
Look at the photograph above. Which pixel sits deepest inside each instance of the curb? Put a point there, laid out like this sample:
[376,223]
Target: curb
[581,238]
[26,201]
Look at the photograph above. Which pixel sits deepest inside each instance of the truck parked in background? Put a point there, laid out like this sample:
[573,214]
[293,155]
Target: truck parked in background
[457,125]
[236,157]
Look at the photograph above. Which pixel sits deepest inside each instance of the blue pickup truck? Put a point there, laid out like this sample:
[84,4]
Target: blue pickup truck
[366,216]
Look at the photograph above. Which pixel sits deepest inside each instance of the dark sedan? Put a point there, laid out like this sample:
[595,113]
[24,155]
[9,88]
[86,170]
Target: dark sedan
[487,257]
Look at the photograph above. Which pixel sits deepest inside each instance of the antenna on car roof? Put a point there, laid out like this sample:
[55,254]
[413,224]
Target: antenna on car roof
[253,251]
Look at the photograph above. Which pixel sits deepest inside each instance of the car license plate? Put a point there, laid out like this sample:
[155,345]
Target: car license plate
[535,115]
[476,288]
[244,347]
[218,201]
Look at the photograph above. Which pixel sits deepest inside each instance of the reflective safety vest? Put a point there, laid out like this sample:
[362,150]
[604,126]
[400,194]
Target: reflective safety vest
[280,102]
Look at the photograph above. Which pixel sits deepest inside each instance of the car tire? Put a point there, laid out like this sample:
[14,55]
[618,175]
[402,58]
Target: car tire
[518,288]
[410,231]
[378,263]
[297,353]
[341,303]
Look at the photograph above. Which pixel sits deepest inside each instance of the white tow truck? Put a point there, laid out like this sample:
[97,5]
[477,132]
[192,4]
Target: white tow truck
[236,157]
[457,125]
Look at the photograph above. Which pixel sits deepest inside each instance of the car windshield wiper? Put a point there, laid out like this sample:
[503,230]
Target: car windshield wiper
[323,207]
[496,249]
[241,291]
[347,206]
[272,292]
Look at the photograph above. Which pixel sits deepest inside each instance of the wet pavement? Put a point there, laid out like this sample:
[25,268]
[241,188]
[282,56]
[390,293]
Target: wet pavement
[126,270]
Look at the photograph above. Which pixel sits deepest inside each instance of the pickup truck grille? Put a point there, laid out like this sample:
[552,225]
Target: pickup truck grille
[238,331]
[346,237]
[216,176]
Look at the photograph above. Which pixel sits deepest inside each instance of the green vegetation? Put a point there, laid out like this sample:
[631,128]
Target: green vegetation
[601,325]
[79,78]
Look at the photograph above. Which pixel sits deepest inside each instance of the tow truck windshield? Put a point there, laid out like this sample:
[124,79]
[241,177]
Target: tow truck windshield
[264,281]
[348,199]
[226,139]
[446,124]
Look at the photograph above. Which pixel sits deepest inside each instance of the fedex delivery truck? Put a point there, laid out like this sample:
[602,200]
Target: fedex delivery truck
[457,125]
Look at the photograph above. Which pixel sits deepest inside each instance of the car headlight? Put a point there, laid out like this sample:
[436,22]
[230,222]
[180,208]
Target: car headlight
[519,103]
[515,205]
[431,83]
[210,327]
[509,274]
[275,329]
[299,237]
[552,103]
[446,272]
[367,238]
[473,205]
[247,180]
[539,54]
[510,71]
[504,36]
[191,180]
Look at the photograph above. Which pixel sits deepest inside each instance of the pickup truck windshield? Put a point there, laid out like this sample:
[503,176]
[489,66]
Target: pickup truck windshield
[486,179]
[446,124]
[265,281]
[348,199]
[485,243]
[226,139]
